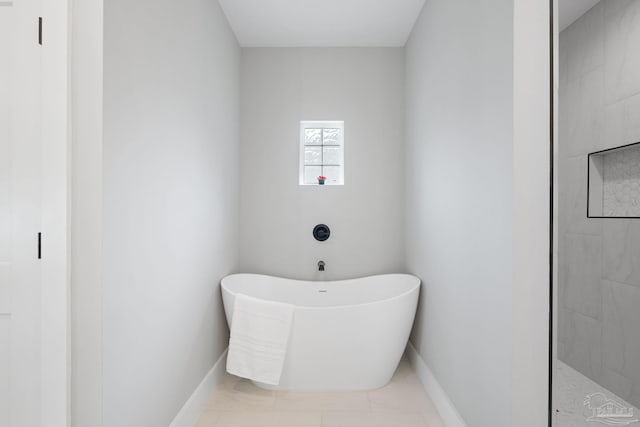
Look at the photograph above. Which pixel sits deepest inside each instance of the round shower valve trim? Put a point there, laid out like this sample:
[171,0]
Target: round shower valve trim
[321,232]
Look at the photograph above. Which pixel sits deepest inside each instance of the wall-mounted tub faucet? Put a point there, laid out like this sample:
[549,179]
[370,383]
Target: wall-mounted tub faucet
[320,265]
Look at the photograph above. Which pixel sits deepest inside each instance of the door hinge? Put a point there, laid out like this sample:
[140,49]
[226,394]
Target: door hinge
[39,245]
[40,30]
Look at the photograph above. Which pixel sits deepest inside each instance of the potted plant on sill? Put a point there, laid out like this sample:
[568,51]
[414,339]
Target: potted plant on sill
[321,179]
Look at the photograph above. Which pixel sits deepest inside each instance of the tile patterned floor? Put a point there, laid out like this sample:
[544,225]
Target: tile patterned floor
[572,389]
[401,403]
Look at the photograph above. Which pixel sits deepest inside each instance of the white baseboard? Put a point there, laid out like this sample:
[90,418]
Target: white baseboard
[439,397]
[192,409]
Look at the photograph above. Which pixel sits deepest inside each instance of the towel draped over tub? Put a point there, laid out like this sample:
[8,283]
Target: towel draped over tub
[260,331]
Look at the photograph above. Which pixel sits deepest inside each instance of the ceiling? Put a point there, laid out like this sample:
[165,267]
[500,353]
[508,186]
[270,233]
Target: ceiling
[570,10]
[292,23]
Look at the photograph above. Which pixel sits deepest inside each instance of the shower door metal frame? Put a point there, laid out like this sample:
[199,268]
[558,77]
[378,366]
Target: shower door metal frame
[553,4]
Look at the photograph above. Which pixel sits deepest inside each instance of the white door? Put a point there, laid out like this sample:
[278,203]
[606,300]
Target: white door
[20,214]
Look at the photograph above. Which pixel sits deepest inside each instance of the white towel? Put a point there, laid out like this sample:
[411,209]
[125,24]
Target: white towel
[260,332]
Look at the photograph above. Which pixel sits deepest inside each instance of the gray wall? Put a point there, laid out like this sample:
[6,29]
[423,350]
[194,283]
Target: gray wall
[170,213]
[86,213]
[599,293]
[459,214]
[363,87]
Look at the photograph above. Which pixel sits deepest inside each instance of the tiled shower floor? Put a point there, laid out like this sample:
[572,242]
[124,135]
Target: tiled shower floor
[572,389]
[401,403]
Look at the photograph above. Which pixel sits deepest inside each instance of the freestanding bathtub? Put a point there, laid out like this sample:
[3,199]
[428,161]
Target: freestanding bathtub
[346,335]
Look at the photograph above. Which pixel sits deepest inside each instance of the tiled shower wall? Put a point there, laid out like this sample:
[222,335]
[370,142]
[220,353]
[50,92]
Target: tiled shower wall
[599,259]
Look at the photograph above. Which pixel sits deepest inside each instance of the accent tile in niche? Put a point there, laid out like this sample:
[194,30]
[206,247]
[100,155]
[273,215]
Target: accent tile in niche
[582,274]
[622,56]
[621,183]
[621,250]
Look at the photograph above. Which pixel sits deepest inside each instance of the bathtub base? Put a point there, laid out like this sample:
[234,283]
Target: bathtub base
[334,382]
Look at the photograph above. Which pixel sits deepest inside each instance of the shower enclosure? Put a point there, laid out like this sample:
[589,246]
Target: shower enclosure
[598,218]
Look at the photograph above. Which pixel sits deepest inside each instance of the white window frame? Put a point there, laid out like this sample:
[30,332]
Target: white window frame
[321,124]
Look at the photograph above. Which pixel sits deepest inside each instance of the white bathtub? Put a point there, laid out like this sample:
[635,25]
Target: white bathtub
[347,335]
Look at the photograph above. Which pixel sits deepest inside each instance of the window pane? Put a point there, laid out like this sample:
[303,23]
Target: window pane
[331,136]
[332,155]
[332,173]
[311,174]
[313,136]
[312,155]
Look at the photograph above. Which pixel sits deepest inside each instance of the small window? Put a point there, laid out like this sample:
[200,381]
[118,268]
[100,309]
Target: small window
[321,152]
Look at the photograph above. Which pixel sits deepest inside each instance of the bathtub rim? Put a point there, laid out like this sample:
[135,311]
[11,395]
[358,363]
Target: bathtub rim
[417,287]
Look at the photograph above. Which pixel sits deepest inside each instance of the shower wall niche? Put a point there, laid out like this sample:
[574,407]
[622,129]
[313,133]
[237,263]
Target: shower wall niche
[614,183]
